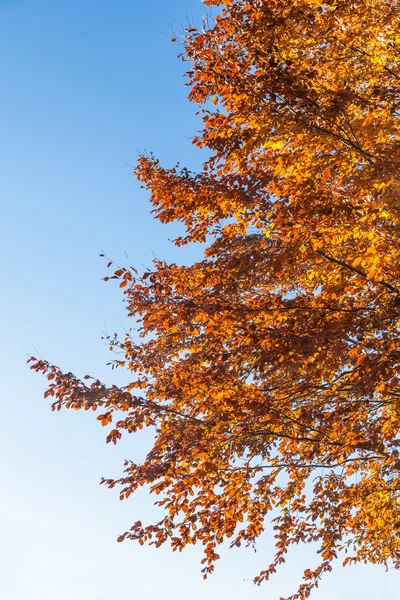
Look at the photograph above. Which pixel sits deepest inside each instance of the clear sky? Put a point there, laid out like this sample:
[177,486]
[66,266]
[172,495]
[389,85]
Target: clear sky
[85,85]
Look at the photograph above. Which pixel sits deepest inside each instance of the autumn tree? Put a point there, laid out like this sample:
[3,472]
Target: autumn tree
[269,370]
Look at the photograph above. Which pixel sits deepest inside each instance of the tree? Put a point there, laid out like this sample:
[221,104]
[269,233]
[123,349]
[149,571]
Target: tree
[269,370]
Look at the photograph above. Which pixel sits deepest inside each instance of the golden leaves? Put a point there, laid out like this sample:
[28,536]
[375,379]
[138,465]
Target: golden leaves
[269,370]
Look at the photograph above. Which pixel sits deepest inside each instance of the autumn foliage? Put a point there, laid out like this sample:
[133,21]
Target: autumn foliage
[269,370]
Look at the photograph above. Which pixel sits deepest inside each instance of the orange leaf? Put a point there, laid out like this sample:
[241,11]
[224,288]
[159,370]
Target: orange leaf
[326,174]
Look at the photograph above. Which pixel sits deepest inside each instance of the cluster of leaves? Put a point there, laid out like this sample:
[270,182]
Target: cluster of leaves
[270,369]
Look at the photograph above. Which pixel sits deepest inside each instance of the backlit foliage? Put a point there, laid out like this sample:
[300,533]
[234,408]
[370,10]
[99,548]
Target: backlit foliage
[269,371]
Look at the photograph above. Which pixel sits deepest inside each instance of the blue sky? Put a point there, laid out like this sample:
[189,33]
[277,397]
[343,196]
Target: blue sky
[85,85]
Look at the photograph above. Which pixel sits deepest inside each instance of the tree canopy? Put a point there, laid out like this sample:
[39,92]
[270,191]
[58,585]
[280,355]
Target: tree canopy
[269,370]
